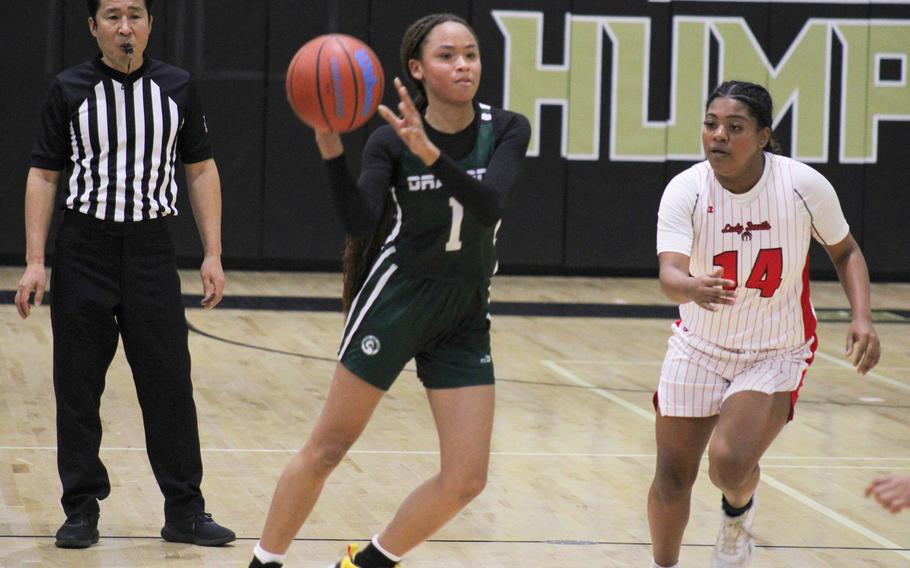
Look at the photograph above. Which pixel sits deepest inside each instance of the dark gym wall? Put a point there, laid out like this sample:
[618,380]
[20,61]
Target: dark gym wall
[570,216]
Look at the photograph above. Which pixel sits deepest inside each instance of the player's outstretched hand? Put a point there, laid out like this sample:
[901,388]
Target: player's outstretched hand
[863,346]
[707,290]
[409,126]
[891,491]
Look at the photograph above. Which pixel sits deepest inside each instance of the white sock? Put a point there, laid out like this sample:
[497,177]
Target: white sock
[654,564]
[384,552]
[265,556]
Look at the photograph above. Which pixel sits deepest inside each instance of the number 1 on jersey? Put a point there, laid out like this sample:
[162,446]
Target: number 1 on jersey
[455,232]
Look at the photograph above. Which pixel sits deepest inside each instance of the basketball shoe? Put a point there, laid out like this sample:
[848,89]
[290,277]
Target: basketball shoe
[347,561]
[735,540]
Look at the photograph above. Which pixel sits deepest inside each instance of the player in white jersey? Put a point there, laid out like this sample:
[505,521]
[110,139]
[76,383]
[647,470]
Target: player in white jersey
[733,237]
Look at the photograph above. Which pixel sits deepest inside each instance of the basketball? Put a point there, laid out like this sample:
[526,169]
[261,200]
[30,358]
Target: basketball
[334,82]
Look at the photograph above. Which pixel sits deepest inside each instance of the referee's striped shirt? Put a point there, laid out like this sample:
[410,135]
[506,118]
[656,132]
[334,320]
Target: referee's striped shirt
[117,137]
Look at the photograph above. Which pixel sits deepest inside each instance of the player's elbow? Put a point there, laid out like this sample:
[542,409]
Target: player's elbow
[490,219]
[359,228]
[667,289]
[673,287]
[492,212]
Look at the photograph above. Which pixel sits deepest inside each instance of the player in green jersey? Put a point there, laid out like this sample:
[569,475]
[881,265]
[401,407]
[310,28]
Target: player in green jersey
[421,224]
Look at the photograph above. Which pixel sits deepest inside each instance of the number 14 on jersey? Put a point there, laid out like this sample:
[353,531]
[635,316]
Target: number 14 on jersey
[766,272]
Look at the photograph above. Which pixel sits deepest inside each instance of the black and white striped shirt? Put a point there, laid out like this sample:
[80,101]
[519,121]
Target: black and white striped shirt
[118,136]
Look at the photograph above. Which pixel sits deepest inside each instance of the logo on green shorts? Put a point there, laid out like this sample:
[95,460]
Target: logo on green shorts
[370,345]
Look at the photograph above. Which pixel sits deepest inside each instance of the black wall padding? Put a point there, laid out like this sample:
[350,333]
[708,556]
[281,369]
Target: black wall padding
[566,217]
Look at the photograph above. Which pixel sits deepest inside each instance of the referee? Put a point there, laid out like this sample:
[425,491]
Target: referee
[114,127]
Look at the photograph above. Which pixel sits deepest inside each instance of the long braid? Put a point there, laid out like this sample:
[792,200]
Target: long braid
[360,252]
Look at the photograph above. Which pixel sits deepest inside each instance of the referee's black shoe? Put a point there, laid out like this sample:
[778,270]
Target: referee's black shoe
[79,531]
[256,563]
[200,529]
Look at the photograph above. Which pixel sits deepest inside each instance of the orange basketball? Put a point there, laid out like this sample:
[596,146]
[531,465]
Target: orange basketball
[335,82]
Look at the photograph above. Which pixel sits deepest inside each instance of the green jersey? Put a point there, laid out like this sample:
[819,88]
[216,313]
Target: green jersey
[434,236]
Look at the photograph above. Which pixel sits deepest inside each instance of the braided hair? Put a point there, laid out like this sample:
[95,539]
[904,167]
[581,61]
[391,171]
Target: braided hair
[412,48]
[360,252]
[757,98]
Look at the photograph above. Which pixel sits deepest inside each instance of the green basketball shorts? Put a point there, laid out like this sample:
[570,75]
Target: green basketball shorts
[444,326]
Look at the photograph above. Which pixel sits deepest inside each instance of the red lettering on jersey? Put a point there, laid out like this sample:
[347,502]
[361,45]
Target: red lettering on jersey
[763,226]
[746,232]
[766,273]
[727,261]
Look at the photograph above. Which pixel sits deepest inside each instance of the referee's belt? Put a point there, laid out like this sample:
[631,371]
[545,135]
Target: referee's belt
[154,225]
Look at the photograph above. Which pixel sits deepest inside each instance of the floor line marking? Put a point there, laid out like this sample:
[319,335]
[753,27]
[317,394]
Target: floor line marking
[823,467]
[549,541]
[873,374]
[889,460]
[658,362]
[834,515]
[565,373]
[770,480]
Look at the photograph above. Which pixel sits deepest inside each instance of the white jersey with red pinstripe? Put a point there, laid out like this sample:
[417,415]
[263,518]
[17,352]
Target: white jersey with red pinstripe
[761,240]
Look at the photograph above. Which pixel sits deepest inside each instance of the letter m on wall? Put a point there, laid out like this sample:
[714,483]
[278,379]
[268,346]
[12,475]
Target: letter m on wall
[801,81]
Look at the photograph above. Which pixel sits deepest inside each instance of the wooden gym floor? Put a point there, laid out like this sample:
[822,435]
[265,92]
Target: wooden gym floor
[573,449]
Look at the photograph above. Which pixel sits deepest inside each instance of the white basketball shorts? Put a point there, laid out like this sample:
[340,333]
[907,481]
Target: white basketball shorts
[698,376]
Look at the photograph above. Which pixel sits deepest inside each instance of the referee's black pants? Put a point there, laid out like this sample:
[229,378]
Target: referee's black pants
[113,279]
